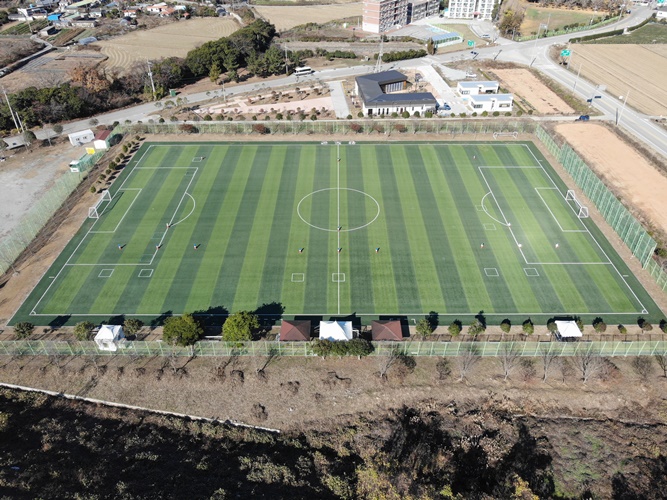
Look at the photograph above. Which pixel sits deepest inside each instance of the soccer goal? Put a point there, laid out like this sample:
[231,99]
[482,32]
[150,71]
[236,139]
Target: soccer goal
[514,135]
[94,211]
[582,211]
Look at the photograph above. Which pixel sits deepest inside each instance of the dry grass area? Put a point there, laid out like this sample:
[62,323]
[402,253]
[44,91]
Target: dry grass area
[286,17]
[526,85]
[14,49]
[174,39]
[637,182]
[640,68]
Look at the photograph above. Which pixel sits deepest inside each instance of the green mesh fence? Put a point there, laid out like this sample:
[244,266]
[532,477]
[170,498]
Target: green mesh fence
[45,206]
[619,218]
[354,128]
[211,348]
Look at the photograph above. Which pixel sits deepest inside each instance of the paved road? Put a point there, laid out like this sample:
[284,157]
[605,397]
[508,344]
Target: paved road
[533,53]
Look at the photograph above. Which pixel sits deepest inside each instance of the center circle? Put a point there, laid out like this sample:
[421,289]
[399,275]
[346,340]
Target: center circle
[354,193]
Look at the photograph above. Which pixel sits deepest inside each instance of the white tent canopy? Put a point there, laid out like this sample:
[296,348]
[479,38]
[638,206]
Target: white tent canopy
[109,337]
[336,330]
[568,329]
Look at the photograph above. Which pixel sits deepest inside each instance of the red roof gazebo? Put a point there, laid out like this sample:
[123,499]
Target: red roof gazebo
[297,330]
[387,330]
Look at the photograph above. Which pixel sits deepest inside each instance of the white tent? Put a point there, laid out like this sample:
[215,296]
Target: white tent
[336,330]
[110,337]
[567,329]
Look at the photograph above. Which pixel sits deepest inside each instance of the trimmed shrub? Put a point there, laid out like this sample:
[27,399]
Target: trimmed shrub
[476,327]
[528,327]
[599,326]
[622,329]
[505,325]
[454,328]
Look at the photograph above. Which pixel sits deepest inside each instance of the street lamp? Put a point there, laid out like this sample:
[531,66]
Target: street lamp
[625,101]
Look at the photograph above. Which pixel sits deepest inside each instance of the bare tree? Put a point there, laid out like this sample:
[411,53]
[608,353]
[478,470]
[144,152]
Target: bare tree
[508,357]
[643,366]
[662,362]
[466,360]
[548,354]
[388,361]
[588,363]
[565,368]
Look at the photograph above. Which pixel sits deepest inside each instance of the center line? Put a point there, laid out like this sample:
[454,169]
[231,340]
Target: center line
[338,215]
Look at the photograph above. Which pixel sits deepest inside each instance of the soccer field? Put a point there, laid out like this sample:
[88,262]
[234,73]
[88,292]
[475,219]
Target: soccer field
[335,230]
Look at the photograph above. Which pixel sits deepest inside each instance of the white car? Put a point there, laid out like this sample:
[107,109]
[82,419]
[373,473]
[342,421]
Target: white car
[486,35]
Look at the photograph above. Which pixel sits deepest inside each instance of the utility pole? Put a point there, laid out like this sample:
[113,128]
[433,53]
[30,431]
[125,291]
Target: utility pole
[625,101]
[286,62]
[577,79]
[378,64]
[150,75]
[11,111]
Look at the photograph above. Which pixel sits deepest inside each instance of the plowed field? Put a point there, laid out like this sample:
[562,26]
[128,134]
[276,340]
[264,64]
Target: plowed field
[526,85]
[640,68]
[174,39]
[286,17]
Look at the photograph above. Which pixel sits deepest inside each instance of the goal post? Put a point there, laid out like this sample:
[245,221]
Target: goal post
[582,211]
[93,212]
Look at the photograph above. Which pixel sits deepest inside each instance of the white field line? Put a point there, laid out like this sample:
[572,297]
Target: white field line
[537,190]
[164,234]
[82,240]
[338,216]
[620,275]
[138,192]
[375,314]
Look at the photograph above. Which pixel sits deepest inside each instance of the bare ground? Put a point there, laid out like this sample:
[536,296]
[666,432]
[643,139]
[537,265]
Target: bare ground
[624,170]
[538,95]
[419,429]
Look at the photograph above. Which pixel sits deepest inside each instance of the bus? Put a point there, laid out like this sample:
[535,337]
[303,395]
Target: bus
[303,71]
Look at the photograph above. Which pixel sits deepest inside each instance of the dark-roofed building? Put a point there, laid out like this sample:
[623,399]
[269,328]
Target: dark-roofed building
[295,331]
[378,94]
[387,330]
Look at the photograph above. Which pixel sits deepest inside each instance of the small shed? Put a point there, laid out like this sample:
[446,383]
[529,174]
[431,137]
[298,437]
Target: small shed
[295,331]
[80,138]
[387,330]
[102,140]
[110,337]
[567,330]
[336,330]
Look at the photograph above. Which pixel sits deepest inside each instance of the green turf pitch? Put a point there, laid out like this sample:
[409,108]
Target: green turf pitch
[460,228]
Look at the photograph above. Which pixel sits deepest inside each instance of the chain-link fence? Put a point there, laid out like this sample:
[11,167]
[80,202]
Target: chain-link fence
[43,209]
[354,128]
[619,218]
[529,348]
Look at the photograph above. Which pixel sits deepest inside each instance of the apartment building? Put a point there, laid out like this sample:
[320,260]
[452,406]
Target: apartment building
[382,15]
[421,9]
[471,9]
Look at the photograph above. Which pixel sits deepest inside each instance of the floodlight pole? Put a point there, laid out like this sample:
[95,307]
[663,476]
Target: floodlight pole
[577,79]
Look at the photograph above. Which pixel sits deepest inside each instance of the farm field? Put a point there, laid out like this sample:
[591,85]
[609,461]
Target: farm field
[526,85]
[640,68]
[173,39]
[387,230]
[287,17]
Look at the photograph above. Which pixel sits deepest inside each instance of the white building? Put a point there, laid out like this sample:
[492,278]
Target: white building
[80,138]
[380,95]
[474,88]
[491,102]
[471,9]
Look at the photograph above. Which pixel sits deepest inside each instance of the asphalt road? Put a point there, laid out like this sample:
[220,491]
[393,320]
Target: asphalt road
[533,53]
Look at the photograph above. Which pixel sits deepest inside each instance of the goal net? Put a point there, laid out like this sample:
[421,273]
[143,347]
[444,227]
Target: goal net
[94,211]
[582,211]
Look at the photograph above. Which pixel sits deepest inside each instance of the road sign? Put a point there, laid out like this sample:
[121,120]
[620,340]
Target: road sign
[565,53]
[471,43]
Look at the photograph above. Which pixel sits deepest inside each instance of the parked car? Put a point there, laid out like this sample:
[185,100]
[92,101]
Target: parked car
[584,118]
[486,35]
[446,107]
